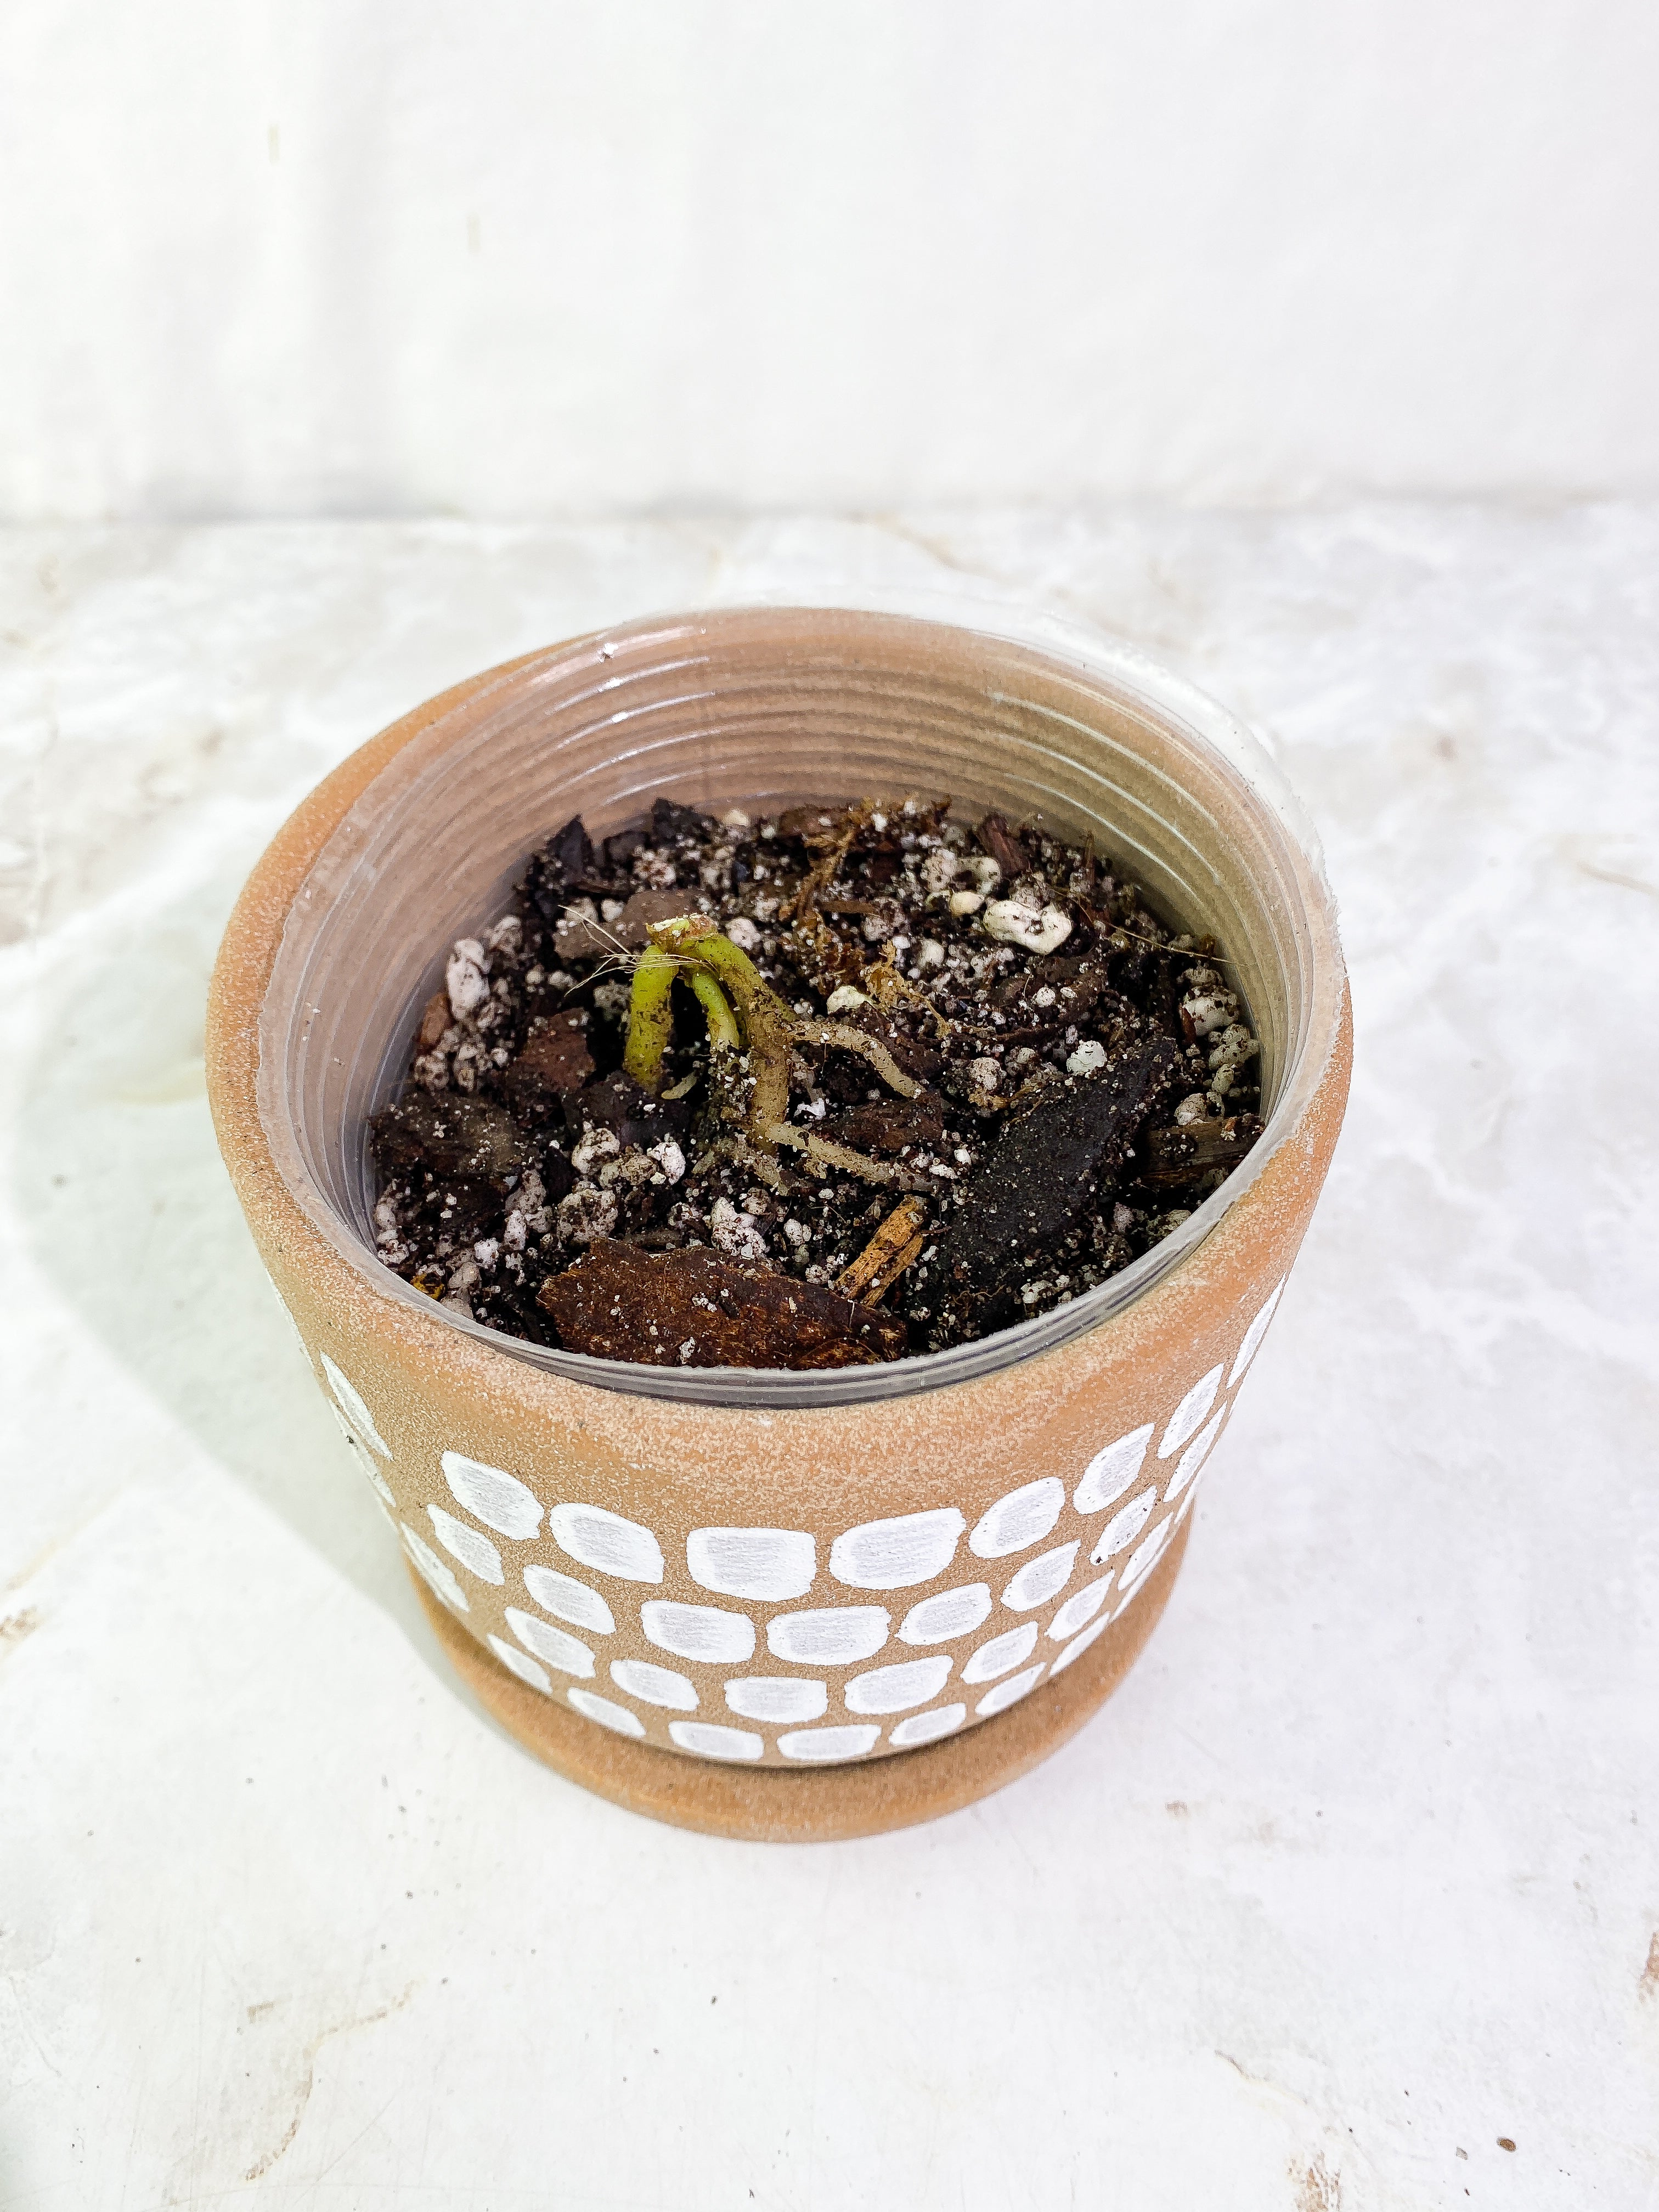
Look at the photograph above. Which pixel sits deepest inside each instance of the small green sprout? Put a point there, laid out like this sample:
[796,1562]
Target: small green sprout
[746,1016]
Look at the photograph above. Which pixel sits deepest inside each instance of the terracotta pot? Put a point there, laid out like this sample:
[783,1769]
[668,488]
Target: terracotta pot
[772,1604]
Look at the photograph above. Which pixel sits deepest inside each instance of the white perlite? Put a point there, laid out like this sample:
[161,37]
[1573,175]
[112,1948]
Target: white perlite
[939,872]
[670,1158]
[587,1214]
[1011,922]
[739,1235]
[592,1148]
[464,979]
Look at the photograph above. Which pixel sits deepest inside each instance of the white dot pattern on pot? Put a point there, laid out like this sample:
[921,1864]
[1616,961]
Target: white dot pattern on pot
[830,1635]
[656,1685]
[896,1554]
[351,1405]
[475,1552]
[1195,1455]
[941,1620]
[1021,1519]
[1079,1645]
[1039,1579]
[777,1698]
[699,1631]
[1191,1413]
[599,1538]
[365,1459]
[517,1663]
[1124,1525]
[568,1653]
[500,1501]
[1254,1333]
[432,1569]
[1110,1473]
[1146,1554]
[926,1728]
[1001,1653]
[764,1567]
[1008,1693]
[710,1740]
[897,1689]
[607,1713]
[567,1599]
[1077,1610]
[820,1745]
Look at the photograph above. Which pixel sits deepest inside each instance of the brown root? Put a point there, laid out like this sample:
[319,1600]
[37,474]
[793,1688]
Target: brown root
[846,1038]
[832,1155]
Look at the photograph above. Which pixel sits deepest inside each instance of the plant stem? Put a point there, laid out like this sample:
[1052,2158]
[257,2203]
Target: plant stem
[743,1013]
[650,1018]
[723,1035]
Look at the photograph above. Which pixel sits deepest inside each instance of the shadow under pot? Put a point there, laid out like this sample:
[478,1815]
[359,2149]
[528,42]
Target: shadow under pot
[766,1603]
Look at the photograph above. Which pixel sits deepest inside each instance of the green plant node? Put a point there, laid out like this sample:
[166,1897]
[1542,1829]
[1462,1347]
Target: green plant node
[650,1018]
[743,1013]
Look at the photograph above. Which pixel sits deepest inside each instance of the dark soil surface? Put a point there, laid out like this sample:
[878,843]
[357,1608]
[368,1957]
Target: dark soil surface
[993,1075]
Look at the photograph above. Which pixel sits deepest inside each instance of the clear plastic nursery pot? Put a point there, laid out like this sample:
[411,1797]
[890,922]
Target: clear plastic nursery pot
[772,1604]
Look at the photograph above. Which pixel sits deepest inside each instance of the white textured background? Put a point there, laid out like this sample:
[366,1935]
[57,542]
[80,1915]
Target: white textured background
[1357,1874]
[348,257]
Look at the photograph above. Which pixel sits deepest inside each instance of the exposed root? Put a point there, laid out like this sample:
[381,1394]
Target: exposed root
[830,1155]
[826,963]
[760,1165]
[882,981]
[846,1038]
[821,955]
[827,867]
[752,1037]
